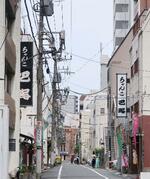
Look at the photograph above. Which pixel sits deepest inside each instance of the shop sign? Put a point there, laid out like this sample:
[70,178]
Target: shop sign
[121,100]
[26,74]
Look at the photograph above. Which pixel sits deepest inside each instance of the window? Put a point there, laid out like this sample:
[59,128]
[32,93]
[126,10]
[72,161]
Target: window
[94,113]
[102,111]
[108,75]
[132,73]
[12,145]
[136,66]
[121,7]
[121,25]
[8,79]
[136,27]
[81,106]
[135,108]
[118,40]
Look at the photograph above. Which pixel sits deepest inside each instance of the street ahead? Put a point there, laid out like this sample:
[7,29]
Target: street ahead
[73,171]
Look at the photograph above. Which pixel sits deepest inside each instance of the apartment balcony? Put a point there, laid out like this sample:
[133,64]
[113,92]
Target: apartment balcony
[121,32]
[12,110]
[138,23]
[10,52]
[122,1]
[122,16]
[11,6]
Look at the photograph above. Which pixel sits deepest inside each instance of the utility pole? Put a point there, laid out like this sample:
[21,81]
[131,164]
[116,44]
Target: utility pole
[39,95]
[56,54]
[80,142]
[54,109]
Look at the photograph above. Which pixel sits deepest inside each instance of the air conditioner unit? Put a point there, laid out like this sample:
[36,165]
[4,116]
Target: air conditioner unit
[48,8]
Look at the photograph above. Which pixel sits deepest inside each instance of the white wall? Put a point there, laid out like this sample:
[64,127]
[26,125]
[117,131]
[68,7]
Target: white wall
[2,51]
[14,156]
[101,119]
[85,133]
[4,138]
[145,85]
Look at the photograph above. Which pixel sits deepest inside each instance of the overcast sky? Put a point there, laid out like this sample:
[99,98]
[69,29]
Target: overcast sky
[87,24]
[91,24]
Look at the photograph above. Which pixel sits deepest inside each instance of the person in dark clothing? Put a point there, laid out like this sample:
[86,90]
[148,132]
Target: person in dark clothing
[93,162]
[78,160]
[72,158]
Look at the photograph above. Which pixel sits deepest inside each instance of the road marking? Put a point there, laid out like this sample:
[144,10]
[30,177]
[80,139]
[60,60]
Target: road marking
[59,174]
[95,172]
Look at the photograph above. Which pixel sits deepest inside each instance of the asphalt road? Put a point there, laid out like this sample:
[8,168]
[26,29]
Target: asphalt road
[73,171]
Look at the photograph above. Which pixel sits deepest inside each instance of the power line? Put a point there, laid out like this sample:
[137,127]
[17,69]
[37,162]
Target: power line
[85,58]
[62,17]
[79,86]
[50,30]
[55,27]
[48,102]
[34,15]
[88,94]
[89,60]
[95,124]
[28,15]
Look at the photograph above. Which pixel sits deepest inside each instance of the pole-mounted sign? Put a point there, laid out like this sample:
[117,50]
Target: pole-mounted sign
[39,134]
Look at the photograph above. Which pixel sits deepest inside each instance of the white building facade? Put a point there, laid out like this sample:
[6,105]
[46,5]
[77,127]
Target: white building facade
[121,20]
[9,85]
[140,88]
[101,119]
[71,105]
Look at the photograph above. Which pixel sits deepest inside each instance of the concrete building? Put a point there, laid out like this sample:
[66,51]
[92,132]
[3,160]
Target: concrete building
[70,140]
[139,85]
[119,63]
[72,104]
[131,58]
[103,75]
[121,20]
[101,119]
[9,85]
[85,135]
[85,128]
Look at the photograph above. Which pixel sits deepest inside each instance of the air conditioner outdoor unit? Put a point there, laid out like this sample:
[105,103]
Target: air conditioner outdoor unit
[48,9]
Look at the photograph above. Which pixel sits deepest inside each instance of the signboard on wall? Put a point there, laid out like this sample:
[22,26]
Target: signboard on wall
[121,100]
[26,74]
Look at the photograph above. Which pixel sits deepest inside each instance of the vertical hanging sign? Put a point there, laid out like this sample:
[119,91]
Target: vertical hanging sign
[26,74]
[121,101]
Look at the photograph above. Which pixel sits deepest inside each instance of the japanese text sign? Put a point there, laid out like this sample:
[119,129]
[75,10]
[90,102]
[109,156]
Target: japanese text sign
[26,74]
[121,95]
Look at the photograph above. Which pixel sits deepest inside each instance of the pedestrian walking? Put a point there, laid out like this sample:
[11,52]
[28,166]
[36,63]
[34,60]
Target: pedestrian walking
[97,162]
[72,158]
[93,161]
[77,159]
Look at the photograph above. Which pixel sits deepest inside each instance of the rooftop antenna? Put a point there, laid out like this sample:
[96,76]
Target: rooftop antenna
[101,49]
